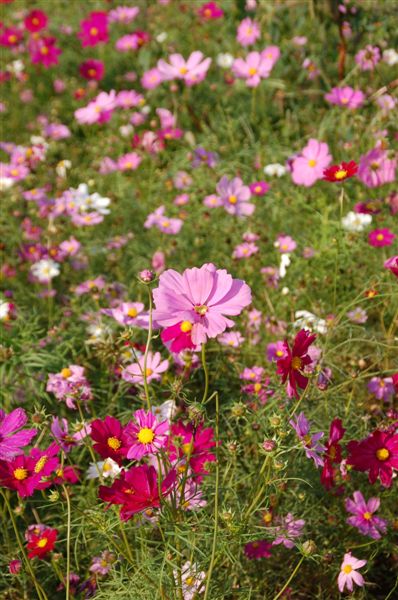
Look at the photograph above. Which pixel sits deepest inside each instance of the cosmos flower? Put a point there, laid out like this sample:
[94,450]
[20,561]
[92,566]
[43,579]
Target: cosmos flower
[248,32]
[383,389]
[155,366]
[94,29]
[288,530]
[356,222]
[368,57]
[332,453]
[291,367]
[310,164]
[363,517]
[349,574]
[13,441]
[235,196]
[191,71]
[92,69]
[341,172]
[145,435]
[40,545]
[377,454]
[203,296]
[255,67]
[35,20]
[376,169]
[346,96]
[129,313]
[210,11]
[392,265]
[45,270]
[313,449]
[379,238]
[258,549]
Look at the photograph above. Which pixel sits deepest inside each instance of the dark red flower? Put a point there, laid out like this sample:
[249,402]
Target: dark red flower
[42,544]
[377,454]
[338,173]
[35,21]
[195,443]
[92,69]
[332,453]
[292,365]
[137,490]
[110,438]
[258,549]
[210,11]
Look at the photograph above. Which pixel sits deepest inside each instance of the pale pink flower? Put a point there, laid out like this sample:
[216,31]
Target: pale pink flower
[248,32]
[308,167]
[191,71]
[349,574]
[155,366]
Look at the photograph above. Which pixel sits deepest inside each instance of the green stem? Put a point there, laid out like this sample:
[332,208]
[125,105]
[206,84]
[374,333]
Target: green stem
[261,491]
[68,531]
[40,592]
[279,594]
[206,372]
[213,550]
[148,342]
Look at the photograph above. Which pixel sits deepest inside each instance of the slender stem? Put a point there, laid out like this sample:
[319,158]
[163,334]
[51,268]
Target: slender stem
[260,492]
[40,592]
[125,540]
[279,594]
[213,551]
[148,342]
[68,531]
[206,372]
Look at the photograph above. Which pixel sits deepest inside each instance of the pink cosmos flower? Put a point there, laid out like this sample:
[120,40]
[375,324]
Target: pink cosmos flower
[253,374]
[392,265]
[129,313]
[248,32]
[129,99]
[311,68]
[99,110]
[151,79]
[377,454]
[191,71]
[346,96]
[368,57]
[212,201]
[12,441]
[258,549]
[92,70]
[44,51]
[349,574]
[308,167]
[210,11]
[233,339]
[288,530]
[129,162]
[123,14]
[312,447]
[375,168]
[364,518]
[255,67]
[285,243]
[70,385]
[165,224]
[35,21]
[94,29]
[131,41]
[235,196]
[381,237]
[155,366]
[245,250]
[201,296]
[259,188]
[70,247]
[60,431]
[145,435]
[11,37]
[91,285]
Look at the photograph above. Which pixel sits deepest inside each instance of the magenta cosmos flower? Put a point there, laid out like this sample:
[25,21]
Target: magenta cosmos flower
[235,196]
[346,96]
[377,454]
[308,167]
[191,71]
[146,435]
[201,297]
[256,66]
[375,168]
[155,366]
[368,57]
[349,574]
[363,517]
[381,237]
[12,441]
[248,32]
[392,265]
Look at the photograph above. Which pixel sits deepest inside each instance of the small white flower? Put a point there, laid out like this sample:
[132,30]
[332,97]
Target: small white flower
[126,130]
[165,411]
[285,291]
[356,221]
[107,468]
[146,109]
[307,320]
[38,140]
[62,167]
[97,333]
[16,67]
[275,170]
[86,202]
[225,61]
[45,269]
[390,56]
[161,37]
[285,262]
[6,183]
[4,310]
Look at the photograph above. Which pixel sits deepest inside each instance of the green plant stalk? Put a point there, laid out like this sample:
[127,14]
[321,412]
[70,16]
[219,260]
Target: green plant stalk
[68,532]
[40,592]
[213,550]
[279,594]
[206,372]
[148,342]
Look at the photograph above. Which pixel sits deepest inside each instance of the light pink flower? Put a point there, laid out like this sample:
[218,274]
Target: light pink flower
[235,196]
[99,110]
[255,67]
[248,32]
[155,366]
[129,313]
[349,574]
[308,167]
[346,96]
[191,71]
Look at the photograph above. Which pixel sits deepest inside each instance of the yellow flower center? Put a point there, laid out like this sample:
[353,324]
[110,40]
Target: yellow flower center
[103,563]
[20,474]
[42,543]
[145,435]
[379,237]
[252,71]
[344,100]
[257,188]
[91,72]
[190,581]
[40,464]
[183,70]
[307,440]
[66,373]
[165,223]
[201,309]
[132,312]
[186,326]
[106,467]
[148,372]
[14,172]
[367,515]
[257,387]
[296,363]
[341,174]
[44,50]
[93,31]
[279,352]
[35,21]
[232,199]
[312,163]
[267,517]
[187,448]
[114,443]
[12,39]
[382,454]
[347,569]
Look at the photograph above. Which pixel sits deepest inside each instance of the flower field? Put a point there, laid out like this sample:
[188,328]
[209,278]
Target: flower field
[199,301]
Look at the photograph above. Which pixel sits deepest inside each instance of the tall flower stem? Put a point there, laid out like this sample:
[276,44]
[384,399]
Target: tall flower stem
[68,531]
[213,550]
[40,592]
[148,342]
[279,594]
[206,372]
[261,491]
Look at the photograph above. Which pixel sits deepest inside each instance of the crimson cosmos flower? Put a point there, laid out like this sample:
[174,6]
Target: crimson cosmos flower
[110,438]
[42,544]
[332,453]
[377,454]
[338,173]
[291,366]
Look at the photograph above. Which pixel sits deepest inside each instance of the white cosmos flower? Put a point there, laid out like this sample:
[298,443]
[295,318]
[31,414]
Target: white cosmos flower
[87,202]
[45,269]
[307,320]
[161,37]
[165,411]
[107,468]
[225,60]
[390,56]
[356,221]
[6,183]
[4,310]
[62,168]
[275,170]
[285,262]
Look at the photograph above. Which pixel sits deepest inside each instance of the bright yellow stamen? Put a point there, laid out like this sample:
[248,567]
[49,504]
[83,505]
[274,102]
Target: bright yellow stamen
[279,352]
[341,174]
[132,312]
[307,440]
[42,543]
[344,100]
[379,237]
[257,387]
[296,363]
[183,70]
[91,72]
[12,39]
[106,467]
[187,448]
[44,50]
[367,515]
[40,464]
[267,517]
[93,31]
[201,309]
[190,581]
[186,326]
[148,372]
[252,71]
[382,454]
[232,199]
[312,163]
[347,569]
[20,474]
[114,443]
[145,435]
[66,373]
[258,188]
